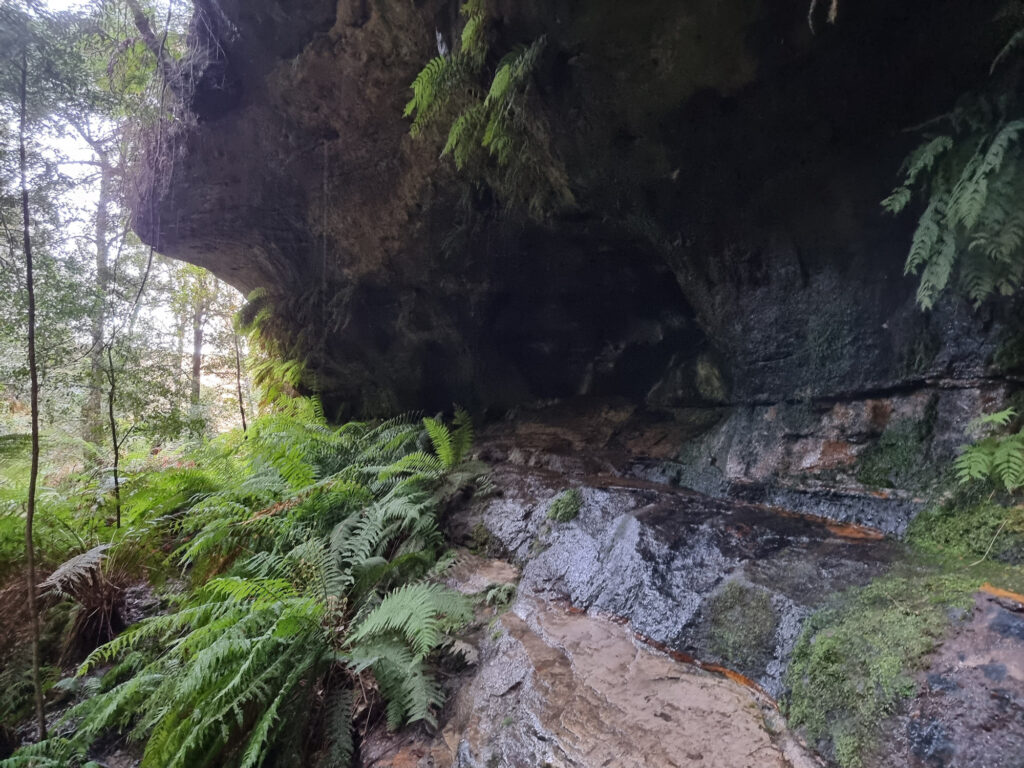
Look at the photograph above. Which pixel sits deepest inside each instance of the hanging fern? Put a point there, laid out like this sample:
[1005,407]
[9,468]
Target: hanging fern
[970,172]
[495,128]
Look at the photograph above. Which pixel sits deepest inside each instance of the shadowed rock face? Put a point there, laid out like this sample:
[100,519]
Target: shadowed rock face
[726,246]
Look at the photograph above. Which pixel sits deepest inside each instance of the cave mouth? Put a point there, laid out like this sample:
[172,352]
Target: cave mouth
[541,315]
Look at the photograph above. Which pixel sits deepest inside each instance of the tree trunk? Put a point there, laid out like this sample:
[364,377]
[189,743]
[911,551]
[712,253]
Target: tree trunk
[30,509]
[165,63]
[238,380]
[92,420]
[198,327]
[114,440]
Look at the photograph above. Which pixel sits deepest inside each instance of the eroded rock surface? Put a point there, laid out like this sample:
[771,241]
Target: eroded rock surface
[560,688]
[721,581]
[868,461]
[970,707]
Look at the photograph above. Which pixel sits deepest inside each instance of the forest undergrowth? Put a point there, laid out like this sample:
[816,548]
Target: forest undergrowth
[297,565]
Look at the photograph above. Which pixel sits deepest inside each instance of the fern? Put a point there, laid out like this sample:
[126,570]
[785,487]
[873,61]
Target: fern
[495,129]
[997,458]
[971,174]
[414,614]
[319,540]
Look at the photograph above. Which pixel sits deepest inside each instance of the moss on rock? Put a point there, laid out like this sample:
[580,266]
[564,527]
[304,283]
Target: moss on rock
[970,525]
[566,506]
[899,458]
[855,663]
[741,625]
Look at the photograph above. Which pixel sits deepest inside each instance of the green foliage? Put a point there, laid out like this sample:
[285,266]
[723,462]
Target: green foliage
[566,506]
[501,596]
[971,525]
[970,171]
[741,625]
[321,543]
[451,445]
[495,128]
[279,369]
[854,664]
[71,508]
[996,458]
[980,520]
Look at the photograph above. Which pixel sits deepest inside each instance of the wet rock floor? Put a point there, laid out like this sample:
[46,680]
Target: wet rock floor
[554,686]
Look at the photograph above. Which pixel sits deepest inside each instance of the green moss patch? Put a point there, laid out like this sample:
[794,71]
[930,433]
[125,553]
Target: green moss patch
[855,663]
[898,459]
[566,506]
[970,526]
[741,625]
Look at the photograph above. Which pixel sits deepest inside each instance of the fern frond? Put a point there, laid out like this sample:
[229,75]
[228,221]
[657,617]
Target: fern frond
[76,574]
[975,463]
[461,435]
[417,613]
[936,273]
[1001,418]
[926,237]
[898,200]
[1008,462]
[441,439]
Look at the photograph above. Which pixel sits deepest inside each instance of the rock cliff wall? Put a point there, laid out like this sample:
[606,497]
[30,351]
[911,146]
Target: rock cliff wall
[725,261]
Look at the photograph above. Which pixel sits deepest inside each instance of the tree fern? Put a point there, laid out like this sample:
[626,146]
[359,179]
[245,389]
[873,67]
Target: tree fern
[76,574]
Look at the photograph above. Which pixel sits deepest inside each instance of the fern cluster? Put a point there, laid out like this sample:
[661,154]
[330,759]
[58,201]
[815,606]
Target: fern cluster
[312,550]
[970,171]
[996,458]
[495,128]
[280,369]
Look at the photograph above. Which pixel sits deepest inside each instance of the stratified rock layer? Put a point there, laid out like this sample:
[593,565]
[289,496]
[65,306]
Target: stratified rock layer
[721,581]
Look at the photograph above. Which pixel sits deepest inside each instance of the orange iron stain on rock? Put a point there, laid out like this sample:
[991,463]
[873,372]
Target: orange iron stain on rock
[717,669]
[989,589]
[843,530]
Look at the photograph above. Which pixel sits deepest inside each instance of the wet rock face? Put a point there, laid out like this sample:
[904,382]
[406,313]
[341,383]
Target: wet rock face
[868,461]
[551,686]
[573,690]
[724,582]
[723,585]
[726,246]
[970,706]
